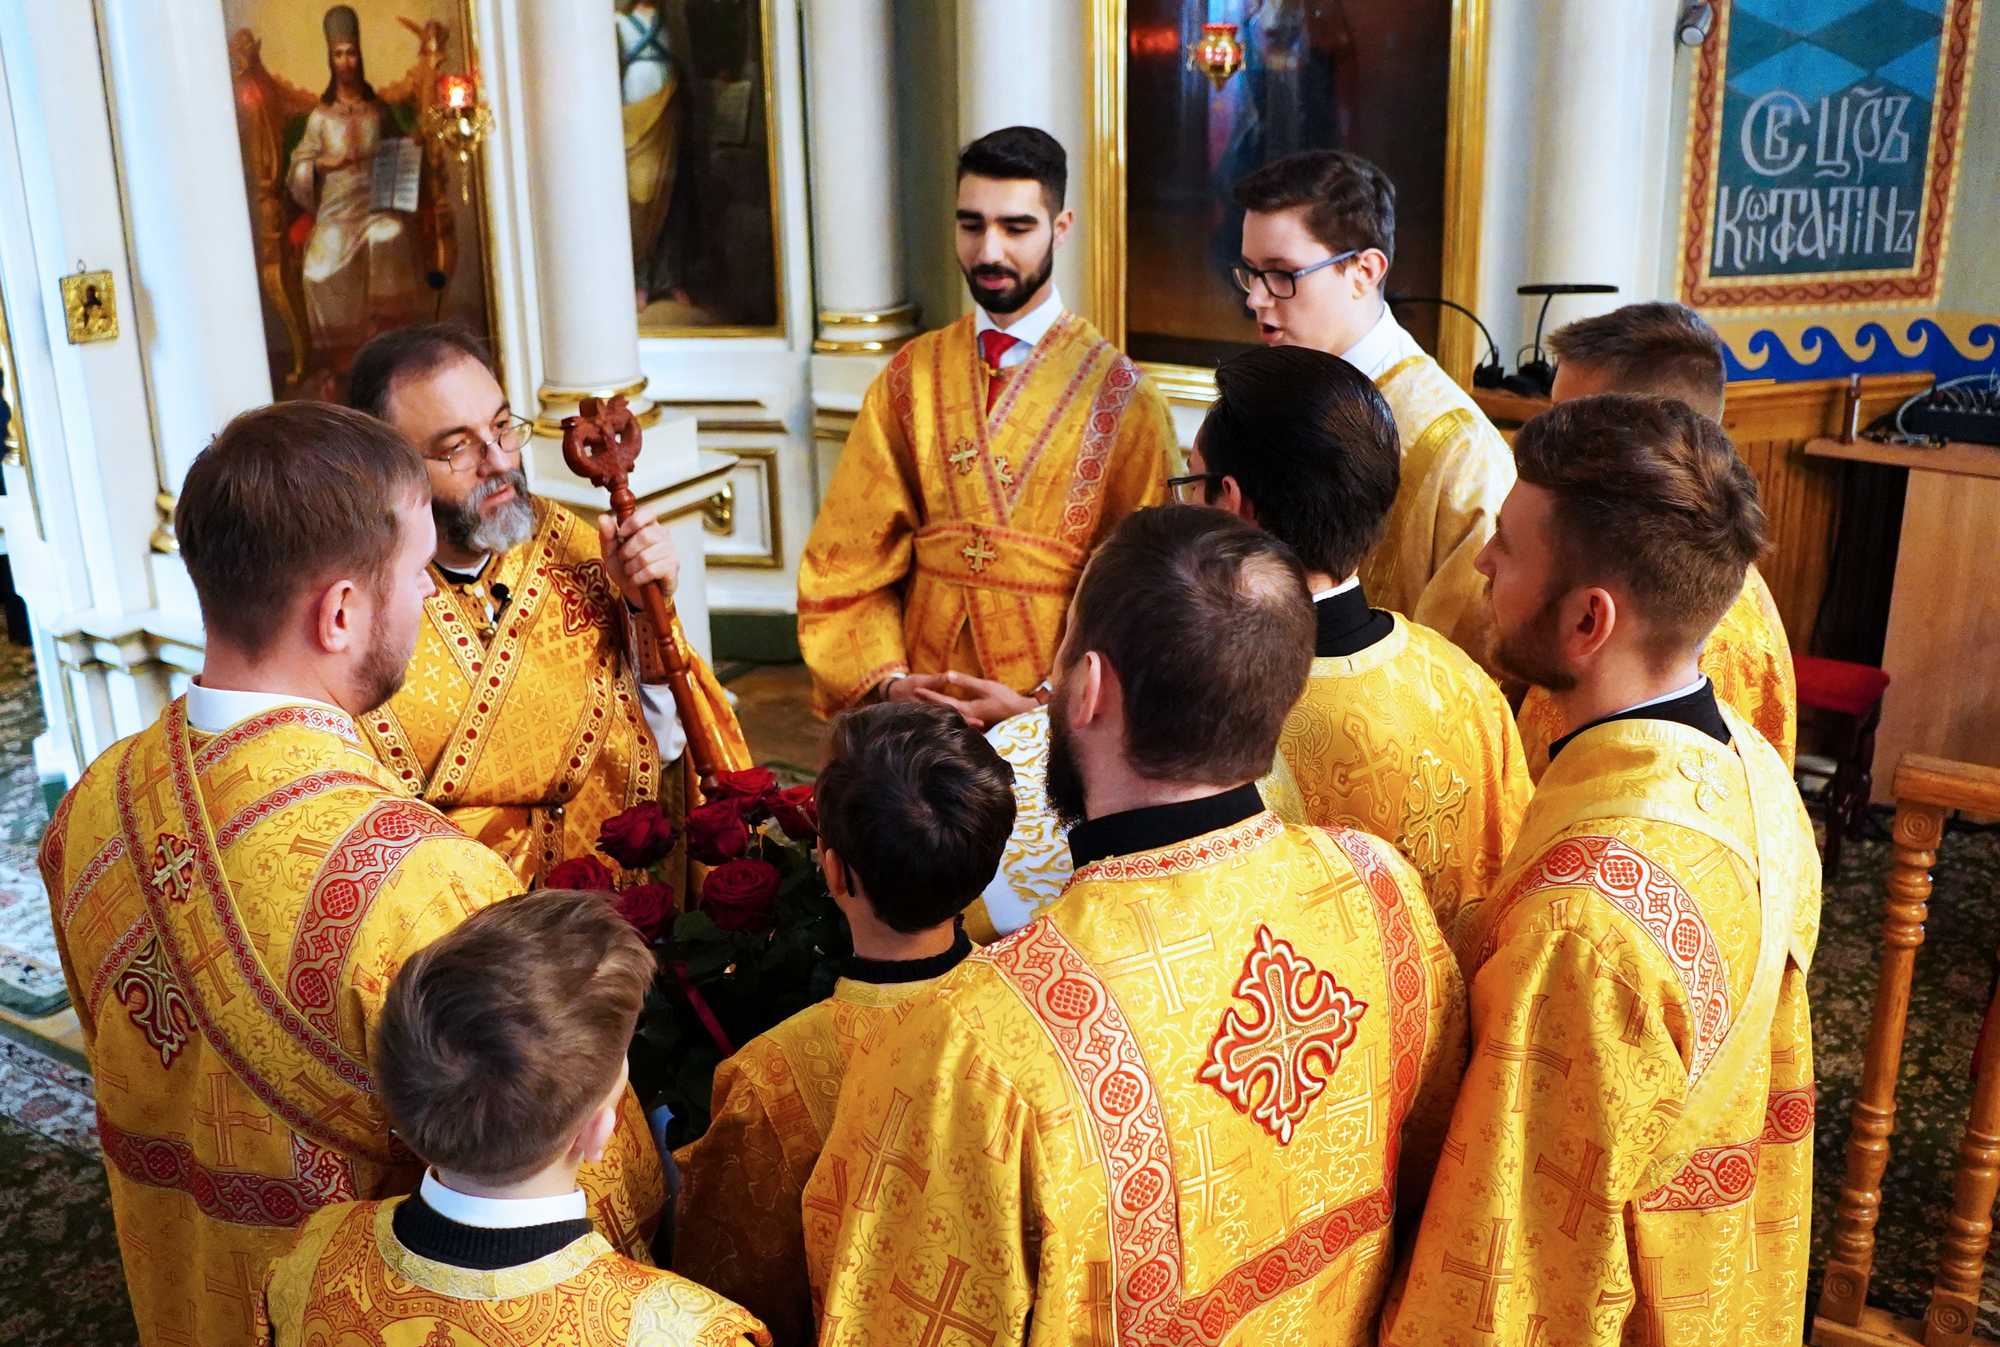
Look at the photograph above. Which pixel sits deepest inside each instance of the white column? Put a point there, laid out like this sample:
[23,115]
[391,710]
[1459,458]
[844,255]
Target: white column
[1025,63]
[194,273]
[1586,194]
[857,220]
[1006,67]
[582,233]
[576,205]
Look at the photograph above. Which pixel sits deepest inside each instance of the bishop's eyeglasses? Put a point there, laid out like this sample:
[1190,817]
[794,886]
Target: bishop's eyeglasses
[463,453]
[1283,284]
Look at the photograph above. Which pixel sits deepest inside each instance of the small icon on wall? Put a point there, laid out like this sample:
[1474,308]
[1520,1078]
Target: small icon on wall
[91,306]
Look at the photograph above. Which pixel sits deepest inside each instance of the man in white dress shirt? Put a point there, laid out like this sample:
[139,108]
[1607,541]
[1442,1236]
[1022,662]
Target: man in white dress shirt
[1318,238]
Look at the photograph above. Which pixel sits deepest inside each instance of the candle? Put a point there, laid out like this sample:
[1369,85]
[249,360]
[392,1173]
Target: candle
[455,91]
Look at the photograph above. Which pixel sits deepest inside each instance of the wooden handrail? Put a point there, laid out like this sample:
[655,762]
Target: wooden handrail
[1954,785]
[1926,789]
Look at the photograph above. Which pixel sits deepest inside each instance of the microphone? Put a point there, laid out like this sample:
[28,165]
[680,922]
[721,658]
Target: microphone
[1537,377]
[1485,375]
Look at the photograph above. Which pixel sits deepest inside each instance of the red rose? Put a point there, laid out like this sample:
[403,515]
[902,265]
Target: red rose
[646,906]
[638,837]
[797,814]
[716,832]
[581,872]
[754,788]
[741,895]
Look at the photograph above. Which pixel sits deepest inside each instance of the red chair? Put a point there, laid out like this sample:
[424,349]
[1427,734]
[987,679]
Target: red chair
[1852,695]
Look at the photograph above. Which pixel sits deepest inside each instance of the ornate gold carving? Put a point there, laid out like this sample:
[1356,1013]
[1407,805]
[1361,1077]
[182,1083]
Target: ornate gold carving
[718,512]
[773,557]
[163,539]
[90,305]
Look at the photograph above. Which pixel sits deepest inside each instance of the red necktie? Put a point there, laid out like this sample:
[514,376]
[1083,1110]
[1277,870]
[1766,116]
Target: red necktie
[993,343]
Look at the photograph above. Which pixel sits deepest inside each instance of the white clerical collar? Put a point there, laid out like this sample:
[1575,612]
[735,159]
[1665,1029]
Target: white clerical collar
[1351,582]
[213,710]
[501,1213]
[1029,329]
[1384,347]
[477,569]
[1694,687]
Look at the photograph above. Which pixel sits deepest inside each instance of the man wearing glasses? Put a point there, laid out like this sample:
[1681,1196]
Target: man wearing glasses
[528,595]
[1318,238]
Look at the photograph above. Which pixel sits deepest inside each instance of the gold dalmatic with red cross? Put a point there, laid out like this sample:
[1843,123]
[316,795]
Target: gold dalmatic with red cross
[1748,659]
[350,1280]
[1175,1107]
[230,911]
[953,535]
[1630,1159]
[737,1224]
[524,724]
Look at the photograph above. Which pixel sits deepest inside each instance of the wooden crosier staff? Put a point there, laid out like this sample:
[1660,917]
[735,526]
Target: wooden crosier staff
[602,443]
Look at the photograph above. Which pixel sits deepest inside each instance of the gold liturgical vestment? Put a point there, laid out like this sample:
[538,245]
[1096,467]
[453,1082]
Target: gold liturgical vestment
[1410,740]
[1630,1157]
[1456,473]
[230,910]
[349,1280]
[530,734]
[1171,1109]
[1035,865]
[952,537]
[1747,658]
[737,1224]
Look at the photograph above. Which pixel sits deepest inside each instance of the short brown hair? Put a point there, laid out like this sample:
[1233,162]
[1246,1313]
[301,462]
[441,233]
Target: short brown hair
[1349,203]
[1651,496]
[1313,447]
[499,1039]
[287,497]
[919,806]
[406,353]
[1208,624]
[1659,347]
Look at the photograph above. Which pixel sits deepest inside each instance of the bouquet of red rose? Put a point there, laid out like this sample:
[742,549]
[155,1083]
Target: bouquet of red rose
[761,940]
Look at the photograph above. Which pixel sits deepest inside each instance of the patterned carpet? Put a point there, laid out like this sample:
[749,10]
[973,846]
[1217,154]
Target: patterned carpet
[31,981]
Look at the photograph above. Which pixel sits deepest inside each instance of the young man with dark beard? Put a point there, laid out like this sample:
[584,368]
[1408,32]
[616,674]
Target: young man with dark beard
[523,716]
[1178,1105]
[235,887]
[988,460]
[1631,1154]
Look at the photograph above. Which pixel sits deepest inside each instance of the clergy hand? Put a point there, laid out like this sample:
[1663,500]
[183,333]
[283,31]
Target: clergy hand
[636,553]
[983,702]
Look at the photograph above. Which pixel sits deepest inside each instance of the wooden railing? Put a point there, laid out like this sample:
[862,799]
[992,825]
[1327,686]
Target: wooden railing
[1926,789]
